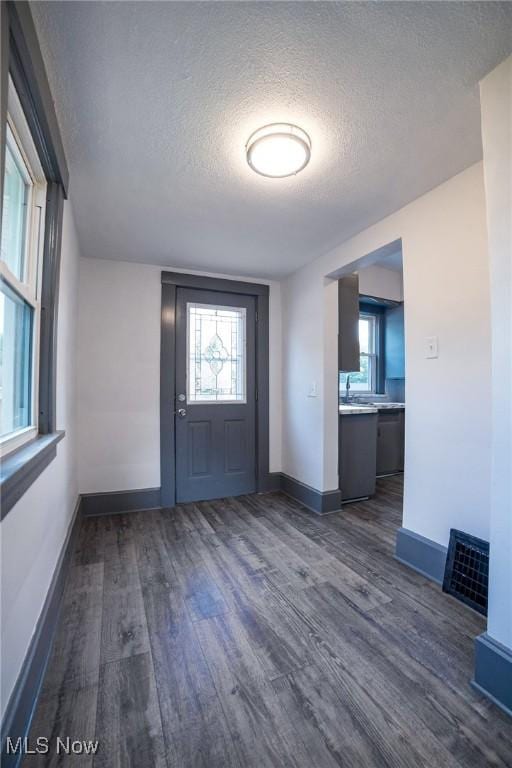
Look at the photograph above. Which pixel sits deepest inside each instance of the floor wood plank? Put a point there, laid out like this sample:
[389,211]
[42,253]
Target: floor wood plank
[128,725]
[75,659]
[71,714]
[250,632]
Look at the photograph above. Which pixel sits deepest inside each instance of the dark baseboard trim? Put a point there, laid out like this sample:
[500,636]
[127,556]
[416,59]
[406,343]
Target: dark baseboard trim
[272,482]
[425,556]
[23,700]
[493,671]
[321,502]
[116,502]
[119,502]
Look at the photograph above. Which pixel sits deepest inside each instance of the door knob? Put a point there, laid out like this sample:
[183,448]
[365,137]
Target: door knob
[181,412]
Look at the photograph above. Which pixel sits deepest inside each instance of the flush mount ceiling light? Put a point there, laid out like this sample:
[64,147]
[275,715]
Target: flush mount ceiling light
[278,150]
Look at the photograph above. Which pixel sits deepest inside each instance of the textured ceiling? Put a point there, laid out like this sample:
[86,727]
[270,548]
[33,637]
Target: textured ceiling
[156,101]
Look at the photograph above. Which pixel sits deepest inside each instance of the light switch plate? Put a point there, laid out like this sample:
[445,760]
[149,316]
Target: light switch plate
[312,390]
[431,347]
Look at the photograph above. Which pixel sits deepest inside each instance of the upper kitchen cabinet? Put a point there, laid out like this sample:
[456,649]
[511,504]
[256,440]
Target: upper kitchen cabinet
[394,344]
[348,323]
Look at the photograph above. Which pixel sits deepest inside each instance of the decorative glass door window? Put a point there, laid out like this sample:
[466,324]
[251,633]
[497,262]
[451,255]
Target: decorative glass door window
[216,354]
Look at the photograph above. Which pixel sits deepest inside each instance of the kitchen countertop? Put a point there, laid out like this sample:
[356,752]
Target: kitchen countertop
[358,408]
[352,410]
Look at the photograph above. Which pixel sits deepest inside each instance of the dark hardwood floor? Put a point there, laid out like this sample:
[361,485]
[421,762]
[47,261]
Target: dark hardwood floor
[250,632]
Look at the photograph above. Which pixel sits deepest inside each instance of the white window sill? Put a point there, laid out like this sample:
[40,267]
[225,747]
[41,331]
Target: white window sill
[16,440]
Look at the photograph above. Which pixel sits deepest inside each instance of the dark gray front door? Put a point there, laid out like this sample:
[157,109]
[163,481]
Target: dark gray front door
[215,395]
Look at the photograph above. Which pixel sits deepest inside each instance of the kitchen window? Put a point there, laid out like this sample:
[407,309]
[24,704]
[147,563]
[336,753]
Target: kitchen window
[364,380]
[22,233]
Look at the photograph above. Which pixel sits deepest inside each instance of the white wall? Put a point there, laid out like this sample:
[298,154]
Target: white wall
[34,531]
[496,102]
[446,290]
[381,282]
[119,376]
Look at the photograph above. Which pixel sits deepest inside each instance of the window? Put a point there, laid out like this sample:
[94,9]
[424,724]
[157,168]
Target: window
[16,321]
[20,261]
[216,354]
[17,192]
[364,380]
[34,181]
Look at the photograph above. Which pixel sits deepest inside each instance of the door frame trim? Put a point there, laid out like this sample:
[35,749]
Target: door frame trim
[171,281]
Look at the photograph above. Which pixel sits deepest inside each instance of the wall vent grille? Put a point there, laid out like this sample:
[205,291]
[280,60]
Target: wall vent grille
[466,574]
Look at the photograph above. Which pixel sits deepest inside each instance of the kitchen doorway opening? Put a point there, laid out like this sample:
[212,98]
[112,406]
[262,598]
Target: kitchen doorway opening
[372,376]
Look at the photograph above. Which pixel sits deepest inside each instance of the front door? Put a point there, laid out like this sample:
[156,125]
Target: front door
[215,394]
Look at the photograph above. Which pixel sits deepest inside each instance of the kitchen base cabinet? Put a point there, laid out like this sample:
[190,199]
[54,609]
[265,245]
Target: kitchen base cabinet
[357,455]
[390,442]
